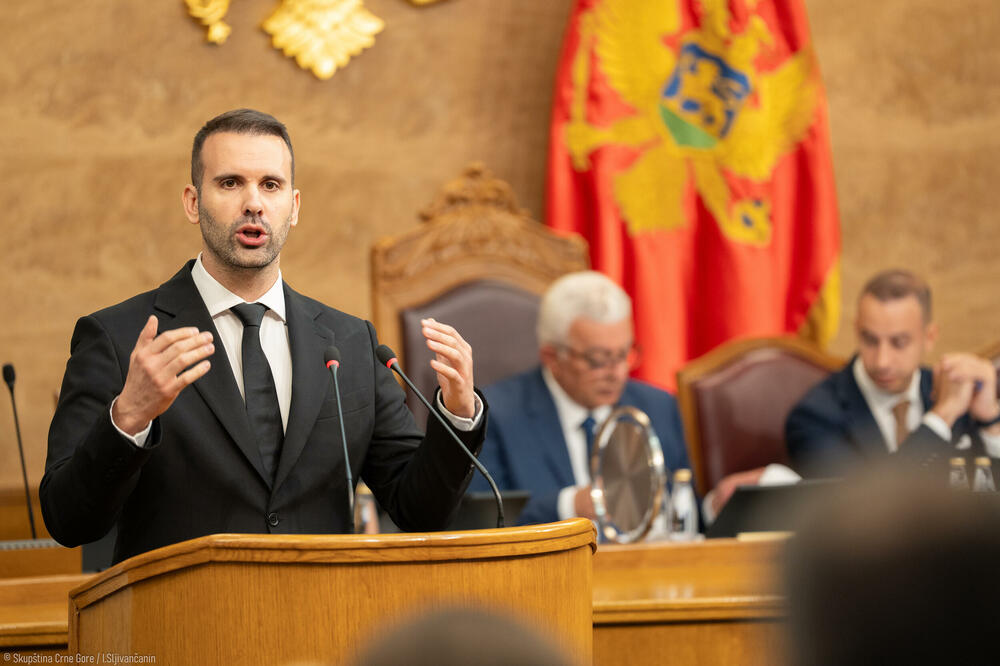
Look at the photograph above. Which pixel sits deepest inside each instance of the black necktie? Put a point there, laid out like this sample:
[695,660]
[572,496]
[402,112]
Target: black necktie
[588,432]
[258,388]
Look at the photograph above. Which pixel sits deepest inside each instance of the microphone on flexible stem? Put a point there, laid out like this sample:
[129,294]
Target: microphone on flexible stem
[332,358]
[8,377]
[386,356]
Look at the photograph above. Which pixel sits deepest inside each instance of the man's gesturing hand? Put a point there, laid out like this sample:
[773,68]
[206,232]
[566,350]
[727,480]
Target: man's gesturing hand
[453,365]
[159,368]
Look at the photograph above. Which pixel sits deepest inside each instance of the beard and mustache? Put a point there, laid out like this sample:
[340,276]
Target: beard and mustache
[224,244]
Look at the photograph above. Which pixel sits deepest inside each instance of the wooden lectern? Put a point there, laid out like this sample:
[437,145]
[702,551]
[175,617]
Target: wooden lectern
[270,599]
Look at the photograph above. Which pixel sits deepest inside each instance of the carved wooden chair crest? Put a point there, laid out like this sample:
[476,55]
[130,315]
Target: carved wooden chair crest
[478,262]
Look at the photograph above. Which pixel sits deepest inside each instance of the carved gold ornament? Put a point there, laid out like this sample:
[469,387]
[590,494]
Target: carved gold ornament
[322,35]
[211,13]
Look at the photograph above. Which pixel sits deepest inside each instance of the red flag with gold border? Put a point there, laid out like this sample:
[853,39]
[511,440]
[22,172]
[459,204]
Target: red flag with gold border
[690,146]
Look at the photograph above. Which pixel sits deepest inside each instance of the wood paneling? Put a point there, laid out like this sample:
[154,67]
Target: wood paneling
[99,102]
[33,613]
[704,603]
[14,523]
[19,559]
[211,591]
[707,603]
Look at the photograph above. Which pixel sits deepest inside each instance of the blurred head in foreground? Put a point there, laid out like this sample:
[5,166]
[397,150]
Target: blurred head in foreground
[462,636]
[898,570]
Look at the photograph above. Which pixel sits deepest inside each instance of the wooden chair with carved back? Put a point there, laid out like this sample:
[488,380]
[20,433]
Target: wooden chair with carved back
[477,262]
[734,401]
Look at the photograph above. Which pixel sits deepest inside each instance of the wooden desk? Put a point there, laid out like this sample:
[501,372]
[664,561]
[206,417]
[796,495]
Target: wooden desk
[709,602]
[713,602]
[27,558]
[34,613]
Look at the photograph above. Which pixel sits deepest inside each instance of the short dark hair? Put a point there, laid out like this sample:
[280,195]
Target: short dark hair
[239,121]
[896,283]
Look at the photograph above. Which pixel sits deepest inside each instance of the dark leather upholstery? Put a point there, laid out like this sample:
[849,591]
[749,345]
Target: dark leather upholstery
[497,319]
[742,407]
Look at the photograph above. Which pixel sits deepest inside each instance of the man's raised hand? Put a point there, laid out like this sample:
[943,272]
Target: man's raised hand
[453,365]
[160,367]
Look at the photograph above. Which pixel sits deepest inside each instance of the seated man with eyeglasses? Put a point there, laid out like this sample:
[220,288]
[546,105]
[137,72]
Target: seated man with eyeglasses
[542,422]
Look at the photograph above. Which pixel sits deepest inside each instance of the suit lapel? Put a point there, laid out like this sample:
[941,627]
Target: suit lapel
[861,425]
[180,304]
[926,388]
[546,430]
[308,341]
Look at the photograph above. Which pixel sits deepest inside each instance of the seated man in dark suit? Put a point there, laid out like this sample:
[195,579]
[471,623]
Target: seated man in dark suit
[537,437]
[883,402]
[206,406]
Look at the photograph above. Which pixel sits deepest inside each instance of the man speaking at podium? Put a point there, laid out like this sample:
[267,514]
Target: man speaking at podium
[205,406]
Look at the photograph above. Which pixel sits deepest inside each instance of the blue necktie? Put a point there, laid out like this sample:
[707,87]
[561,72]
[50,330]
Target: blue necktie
[258,388]
[589,428]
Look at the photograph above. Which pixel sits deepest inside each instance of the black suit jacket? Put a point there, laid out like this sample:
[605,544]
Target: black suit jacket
[832,430]
[201,473]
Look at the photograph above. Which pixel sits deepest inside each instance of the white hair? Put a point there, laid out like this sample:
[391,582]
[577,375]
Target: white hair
[583,295]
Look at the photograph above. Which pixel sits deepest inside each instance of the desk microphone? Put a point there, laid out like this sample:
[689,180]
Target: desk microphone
[332,358]
[8,377]
[386,356]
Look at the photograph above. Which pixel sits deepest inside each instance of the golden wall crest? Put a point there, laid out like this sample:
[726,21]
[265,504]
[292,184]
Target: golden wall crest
[211,13]
[322,35]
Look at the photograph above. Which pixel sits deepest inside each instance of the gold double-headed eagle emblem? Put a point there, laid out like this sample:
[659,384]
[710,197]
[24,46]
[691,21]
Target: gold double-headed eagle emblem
[701,114]
[322,35]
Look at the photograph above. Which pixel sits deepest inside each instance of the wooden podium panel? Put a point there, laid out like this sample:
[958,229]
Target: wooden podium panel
[703,603]
[252,599]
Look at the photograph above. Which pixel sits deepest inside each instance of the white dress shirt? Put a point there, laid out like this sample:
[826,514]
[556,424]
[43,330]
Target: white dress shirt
[571,416]
[273,332]
[881,403]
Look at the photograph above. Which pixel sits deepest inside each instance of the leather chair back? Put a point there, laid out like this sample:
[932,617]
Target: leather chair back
[735,399]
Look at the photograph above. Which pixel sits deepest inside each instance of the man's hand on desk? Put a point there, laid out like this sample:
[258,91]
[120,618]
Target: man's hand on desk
[728,485]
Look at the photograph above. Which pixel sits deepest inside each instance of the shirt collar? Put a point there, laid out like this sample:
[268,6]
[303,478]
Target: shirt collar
[571,413]
[218,299]
[878,398]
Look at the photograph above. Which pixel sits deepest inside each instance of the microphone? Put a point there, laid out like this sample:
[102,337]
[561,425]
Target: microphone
[332,358]
[386,356]
[8,377]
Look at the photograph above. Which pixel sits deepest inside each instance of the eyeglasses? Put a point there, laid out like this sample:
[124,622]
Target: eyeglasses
[598,359]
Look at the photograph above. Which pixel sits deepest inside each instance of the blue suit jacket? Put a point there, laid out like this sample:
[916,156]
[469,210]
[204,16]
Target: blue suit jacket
[525,449]
[832,430]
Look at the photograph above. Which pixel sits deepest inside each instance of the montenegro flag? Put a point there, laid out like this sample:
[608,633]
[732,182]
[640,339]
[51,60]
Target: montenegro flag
[689,145]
